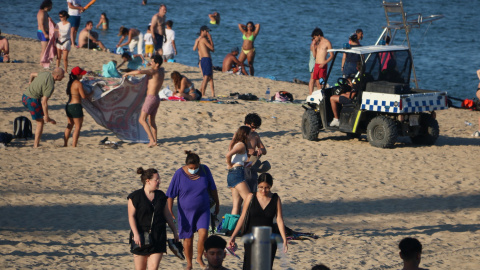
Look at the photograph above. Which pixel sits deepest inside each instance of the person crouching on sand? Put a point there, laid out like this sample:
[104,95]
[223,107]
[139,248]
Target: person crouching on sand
[155,80]
[74,107]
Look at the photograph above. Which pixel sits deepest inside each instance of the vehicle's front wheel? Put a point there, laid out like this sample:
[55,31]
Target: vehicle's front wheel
[429,130]
[311,125]
[382,132]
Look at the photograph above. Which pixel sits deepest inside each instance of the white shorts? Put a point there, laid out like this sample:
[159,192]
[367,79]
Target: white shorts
[138,42]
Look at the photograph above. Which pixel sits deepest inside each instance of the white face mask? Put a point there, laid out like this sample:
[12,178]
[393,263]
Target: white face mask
[193,171]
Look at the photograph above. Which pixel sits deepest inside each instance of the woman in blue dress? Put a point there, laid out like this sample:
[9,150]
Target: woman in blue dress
[193,185]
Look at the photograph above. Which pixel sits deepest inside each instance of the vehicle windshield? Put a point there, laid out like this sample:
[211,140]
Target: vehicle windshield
[393,66]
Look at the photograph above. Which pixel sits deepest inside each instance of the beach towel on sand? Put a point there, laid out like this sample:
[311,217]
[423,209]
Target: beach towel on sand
[51,50]
[118,109]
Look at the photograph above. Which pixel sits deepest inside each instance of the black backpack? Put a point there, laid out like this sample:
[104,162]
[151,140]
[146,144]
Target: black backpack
[5,138]
[22,128]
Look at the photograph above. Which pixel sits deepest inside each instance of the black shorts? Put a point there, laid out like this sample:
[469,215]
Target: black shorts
[344,100]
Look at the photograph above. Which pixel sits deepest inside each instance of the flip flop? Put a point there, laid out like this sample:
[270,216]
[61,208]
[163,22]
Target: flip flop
[104,140]
[231,251]
[176,248]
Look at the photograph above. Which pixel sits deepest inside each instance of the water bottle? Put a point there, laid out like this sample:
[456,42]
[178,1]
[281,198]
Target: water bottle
[267,94]
[468,123]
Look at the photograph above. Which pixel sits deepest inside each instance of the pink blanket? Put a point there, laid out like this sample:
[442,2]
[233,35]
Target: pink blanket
[51,50]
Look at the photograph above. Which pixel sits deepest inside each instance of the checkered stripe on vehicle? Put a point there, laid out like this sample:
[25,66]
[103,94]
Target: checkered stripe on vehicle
[424,106]
[380,106]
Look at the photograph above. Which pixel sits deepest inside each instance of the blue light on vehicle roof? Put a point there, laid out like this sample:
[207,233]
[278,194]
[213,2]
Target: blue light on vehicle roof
[346,46]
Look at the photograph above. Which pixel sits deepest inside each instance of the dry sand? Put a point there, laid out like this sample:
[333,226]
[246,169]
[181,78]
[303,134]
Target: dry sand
[65,208]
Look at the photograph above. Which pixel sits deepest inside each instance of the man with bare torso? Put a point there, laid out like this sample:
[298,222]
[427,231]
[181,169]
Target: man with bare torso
[4,48]
[232,64]
[320,55]
[158,28]
[43,27]
[89,39]
[204,44]
[149,109]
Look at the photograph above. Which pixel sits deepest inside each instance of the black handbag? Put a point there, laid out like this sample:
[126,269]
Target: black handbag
[145,239]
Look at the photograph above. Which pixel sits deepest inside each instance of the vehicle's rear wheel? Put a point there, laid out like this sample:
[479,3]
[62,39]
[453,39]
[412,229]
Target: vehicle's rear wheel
[382,132]
[429,130]
[311,125]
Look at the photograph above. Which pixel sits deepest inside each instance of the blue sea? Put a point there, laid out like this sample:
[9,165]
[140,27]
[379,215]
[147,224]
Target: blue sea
[446,56]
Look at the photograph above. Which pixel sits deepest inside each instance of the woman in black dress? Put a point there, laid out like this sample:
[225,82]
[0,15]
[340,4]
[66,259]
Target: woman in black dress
[265,206]
[142,204]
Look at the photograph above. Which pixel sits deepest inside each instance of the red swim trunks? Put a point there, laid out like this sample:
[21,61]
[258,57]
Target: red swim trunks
[320,71]
[151,104]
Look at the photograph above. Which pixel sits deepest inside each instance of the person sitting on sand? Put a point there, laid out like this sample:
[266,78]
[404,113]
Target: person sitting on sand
[214,18]
[4,47]
[149,110]
[135,61]
[89,39]
[184,87]
[134,39]
[74,109]
[411,253]
[231,63]
[215,252]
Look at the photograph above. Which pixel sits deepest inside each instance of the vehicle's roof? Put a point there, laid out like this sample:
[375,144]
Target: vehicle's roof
[371,49]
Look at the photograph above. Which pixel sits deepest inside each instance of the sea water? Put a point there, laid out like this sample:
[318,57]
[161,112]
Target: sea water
[446,58]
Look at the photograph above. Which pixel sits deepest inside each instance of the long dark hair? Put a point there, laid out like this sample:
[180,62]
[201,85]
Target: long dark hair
[69,86]
[46,3]
[240,136]
[177,79]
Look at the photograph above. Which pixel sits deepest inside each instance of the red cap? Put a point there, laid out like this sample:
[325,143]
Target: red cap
[78,71]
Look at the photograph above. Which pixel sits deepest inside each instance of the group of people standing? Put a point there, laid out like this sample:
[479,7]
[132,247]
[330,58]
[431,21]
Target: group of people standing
[195,190]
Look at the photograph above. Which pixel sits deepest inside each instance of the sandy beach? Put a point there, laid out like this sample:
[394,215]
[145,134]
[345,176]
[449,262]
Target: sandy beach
[66,208]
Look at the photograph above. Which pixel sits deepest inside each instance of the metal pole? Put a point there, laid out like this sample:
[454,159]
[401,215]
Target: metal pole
[261,241]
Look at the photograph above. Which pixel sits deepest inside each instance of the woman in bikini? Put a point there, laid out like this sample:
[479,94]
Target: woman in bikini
[183,86]
[103,21]
[250,32]
[236,157]
[63,41]
[74,107]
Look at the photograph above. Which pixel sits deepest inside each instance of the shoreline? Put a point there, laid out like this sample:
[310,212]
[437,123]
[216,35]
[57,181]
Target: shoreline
[66,207]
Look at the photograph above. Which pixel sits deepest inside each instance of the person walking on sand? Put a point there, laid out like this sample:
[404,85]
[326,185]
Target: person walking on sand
[148,212]
[158,27]
[74,109]
[204,44]
[43,27]
[169,48]
[35,98]
[149,109]
[250,32]
[75,10]
[311,63]
[321,60]
[192,185]
[63,42]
